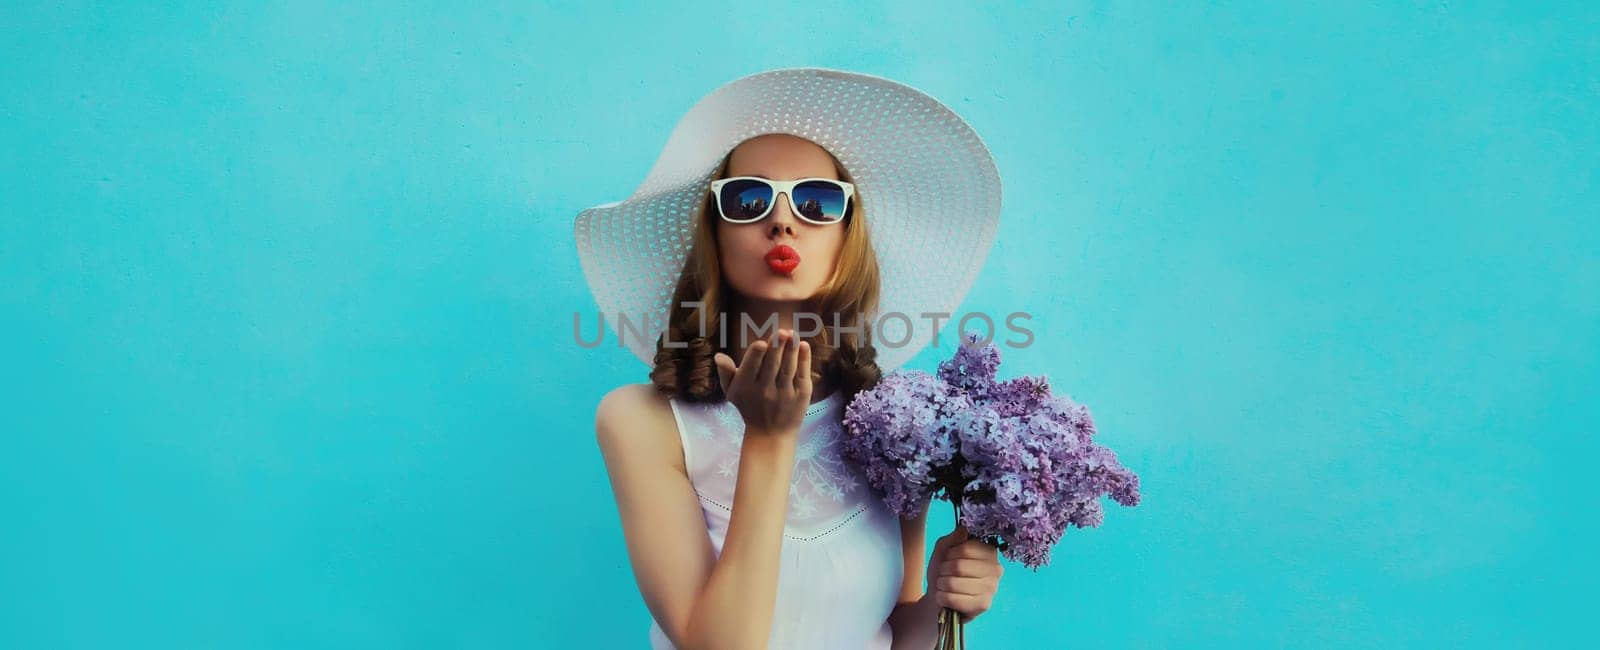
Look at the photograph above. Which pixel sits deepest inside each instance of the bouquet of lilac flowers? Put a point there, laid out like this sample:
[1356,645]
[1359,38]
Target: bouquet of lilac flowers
[1017,462]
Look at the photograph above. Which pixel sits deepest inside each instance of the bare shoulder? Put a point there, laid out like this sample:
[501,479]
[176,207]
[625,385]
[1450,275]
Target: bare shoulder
[630,402]
[635,421]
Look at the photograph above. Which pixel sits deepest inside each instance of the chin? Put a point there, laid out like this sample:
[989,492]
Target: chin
[783,294]
[776,289]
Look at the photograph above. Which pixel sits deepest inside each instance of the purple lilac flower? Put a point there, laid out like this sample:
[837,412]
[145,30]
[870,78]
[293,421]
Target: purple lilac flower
[972,369]
[1019,462]
[899,431]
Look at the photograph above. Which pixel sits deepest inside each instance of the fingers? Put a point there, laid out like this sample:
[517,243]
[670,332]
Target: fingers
[941,547]
[771,362]
[964,586]
[969,568]
[725,370]
[974,549]
[754,354]
[791,359]
[936,559]
[802,378]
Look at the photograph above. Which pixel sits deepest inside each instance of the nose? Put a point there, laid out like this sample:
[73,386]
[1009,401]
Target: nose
[782,220]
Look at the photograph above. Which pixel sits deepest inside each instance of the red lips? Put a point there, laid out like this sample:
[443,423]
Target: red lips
[782,259]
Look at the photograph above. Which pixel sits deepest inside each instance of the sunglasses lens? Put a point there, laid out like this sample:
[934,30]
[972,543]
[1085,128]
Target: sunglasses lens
[744,199]
[820,200]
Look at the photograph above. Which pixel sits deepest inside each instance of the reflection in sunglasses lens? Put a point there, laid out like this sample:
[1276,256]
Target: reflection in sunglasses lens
[820,200]
[745,199]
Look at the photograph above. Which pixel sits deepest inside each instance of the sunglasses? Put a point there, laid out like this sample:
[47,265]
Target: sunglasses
[747,199]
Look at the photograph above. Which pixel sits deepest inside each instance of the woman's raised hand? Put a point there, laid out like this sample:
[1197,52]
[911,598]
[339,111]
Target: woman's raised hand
[771,386]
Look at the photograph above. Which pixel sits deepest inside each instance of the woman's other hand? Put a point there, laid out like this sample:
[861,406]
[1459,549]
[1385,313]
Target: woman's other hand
[964,573]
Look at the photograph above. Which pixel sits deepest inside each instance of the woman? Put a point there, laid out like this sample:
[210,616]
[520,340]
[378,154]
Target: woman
[743,526]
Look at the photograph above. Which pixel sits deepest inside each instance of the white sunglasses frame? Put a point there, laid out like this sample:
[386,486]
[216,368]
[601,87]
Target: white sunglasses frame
[785,188]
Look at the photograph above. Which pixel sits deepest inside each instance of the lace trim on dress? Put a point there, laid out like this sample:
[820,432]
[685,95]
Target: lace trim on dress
[841,520]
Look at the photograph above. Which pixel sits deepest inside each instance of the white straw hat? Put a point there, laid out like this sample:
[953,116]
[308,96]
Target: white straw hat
[928,187]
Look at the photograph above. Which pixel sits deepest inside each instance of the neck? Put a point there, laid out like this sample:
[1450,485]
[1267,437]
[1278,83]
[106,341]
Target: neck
[756,315]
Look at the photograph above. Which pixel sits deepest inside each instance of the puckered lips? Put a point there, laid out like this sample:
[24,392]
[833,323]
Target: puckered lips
[782,259]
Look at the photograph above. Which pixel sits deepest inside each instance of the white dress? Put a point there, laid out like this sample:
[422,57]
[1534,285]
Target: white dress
[840,564]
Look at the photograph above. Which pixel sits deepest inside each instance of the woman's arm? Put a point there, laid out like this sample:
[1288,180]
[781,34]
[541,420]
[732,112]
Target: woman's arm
[736,607]
[915,619]
[700,600]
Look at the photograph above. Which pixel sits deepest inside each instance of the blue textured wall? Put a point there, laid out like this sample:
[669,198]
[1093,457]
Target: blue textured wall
[286,298]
